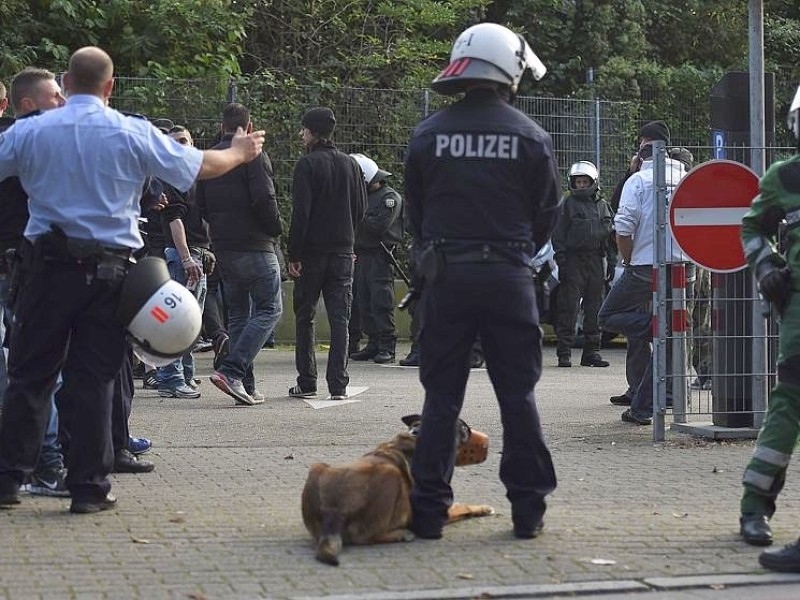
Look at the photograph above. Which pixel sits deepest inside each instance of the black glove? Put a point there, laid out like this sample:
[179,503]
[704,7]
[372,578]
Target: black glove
[775,286]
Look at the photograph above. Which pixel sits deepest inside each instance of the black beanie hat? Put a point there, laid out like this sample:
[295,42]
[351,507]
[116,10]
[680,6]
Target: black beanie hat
[655,130]
[320,121]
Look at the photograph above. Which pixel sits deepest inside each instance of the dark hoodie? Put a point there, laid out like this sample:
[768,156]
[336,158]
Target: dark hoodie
[240,206]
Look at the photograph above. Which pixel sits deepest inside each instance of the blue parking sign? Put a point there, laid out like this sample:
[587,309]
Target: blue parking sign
[718,143]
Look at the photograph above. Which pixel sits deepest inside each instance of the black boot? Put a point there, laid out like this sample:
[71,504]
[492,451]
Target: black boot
[386,347]
[367,353]
[564,360]
[593,359]
[383,356]
[755,530]
[786,560]
[412,360]
[125,462]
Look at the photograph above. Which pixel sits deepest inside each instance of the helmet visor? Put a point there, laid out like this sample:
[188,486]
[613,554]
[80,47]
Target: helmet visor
[532,61]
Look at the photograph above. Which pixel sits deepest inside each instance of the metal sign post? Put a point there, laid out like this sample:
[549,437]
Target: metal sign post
[660,291]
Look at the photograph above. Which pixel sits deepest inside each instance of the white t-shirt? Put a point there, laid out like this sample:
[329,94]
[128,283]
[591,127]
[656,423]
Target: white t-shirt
[635,217]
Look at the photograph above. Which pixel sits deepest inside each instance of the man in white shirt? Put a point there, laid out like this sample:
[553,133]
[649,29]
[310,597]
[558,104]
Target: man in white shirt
[627,307]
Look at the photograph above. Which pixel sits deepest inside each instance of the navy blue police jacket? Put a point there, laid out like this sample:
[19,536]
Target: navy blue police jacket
[481,171]
[13,202]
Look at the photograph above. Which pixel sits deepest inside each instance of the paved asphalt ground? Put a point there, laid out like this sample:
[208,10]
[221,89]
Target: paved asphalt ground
[220,517]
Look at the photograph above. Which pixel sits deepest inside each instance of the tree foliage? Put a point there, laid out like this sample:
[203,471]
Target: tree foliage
[162,38]
[634,49]
[379,43]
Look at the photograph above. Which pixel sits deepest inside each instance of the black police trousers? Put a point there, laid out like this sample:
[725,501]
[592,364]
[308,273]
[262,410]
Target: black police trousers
[122,403]
[496,301]
[332,276]
[63,311]
[581,278]
[374,293]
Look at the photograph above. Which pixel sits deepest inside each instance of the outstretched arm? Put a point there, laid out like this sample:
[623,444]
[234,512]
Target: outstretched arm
[244,148]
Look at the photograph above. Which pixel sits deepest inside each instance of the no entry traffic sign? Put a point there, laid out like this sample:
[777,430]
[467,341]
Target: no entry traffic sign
[706,210]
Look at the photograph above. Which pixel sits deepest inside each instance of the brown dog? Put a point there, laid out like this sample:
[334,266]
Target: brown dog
[367,502]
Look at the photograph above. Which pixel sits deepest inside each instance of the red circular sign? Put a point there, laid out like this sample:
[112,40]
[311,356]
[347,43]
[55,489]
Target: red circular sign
[706,210]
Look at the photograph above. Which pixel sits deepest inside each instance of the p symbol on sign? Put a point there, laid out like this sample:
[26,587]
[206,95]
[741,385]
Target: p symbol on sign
[719,144]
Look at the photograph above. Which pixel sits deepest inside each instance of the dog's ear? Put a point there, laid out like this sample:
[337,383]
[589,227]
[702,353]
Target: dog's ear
[463,432]
[405,443]
[411,420]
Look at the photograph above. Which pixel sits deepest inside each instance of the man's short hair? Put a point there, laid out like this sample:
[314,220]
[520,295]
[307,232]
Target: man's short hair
[25,83]
[235,115]
[2,90]
[180,134]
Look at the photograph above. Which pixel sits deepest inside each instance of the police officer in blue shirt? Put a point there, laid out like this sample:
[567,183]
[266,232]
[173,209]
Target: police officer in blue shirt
[84,166]
[482,193]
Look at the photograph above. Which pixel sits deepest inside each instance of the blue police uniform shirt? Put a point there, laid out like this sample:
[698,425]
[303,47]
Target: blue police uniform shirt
[84,166]
[481,169]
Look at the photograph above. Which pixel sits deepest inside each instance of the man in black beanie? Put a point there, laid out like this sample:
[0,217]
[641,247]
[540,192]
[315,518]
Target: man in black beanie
[654,130]
[650,132]
[329,198]
[320,121]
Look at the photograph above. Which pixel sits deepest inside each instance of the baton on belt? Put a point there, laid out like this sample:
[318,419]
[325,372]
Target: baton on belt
[395,264]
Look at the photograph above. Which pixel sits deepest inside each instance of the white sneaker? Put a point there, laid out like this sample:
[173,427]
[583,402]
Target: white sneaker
[233,387]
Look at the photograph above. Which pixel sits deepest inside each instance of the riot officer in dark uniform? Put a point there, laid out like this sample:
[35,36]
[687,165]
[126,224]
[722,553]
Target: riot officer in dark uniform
[376,238]
[482,193]
[586,257]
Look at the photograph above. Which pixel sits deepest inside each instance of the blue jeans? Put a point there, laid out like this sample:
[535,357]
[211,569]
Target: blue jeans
[51,457]
[181,370]
[626,310]
[252,288]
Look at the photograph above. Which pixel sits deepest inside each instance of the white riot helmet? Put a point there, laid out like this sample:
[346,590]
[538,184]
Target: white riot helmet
[370,169]
[162,317]
[793,119]
[587,169]
[488,52]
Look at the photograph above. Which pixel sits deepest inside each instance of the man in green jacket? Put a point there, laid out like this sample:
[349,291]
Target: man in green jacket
[776,269]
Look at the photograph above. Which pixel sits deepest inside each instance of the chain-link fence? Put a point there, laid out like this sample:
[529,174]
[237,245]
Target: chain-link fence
[715,373]
[715,338]
[379,122]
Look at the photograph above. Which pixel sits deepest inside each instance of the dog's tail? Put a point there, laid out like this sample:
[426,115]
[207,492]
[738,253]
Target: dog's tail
[330,540]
